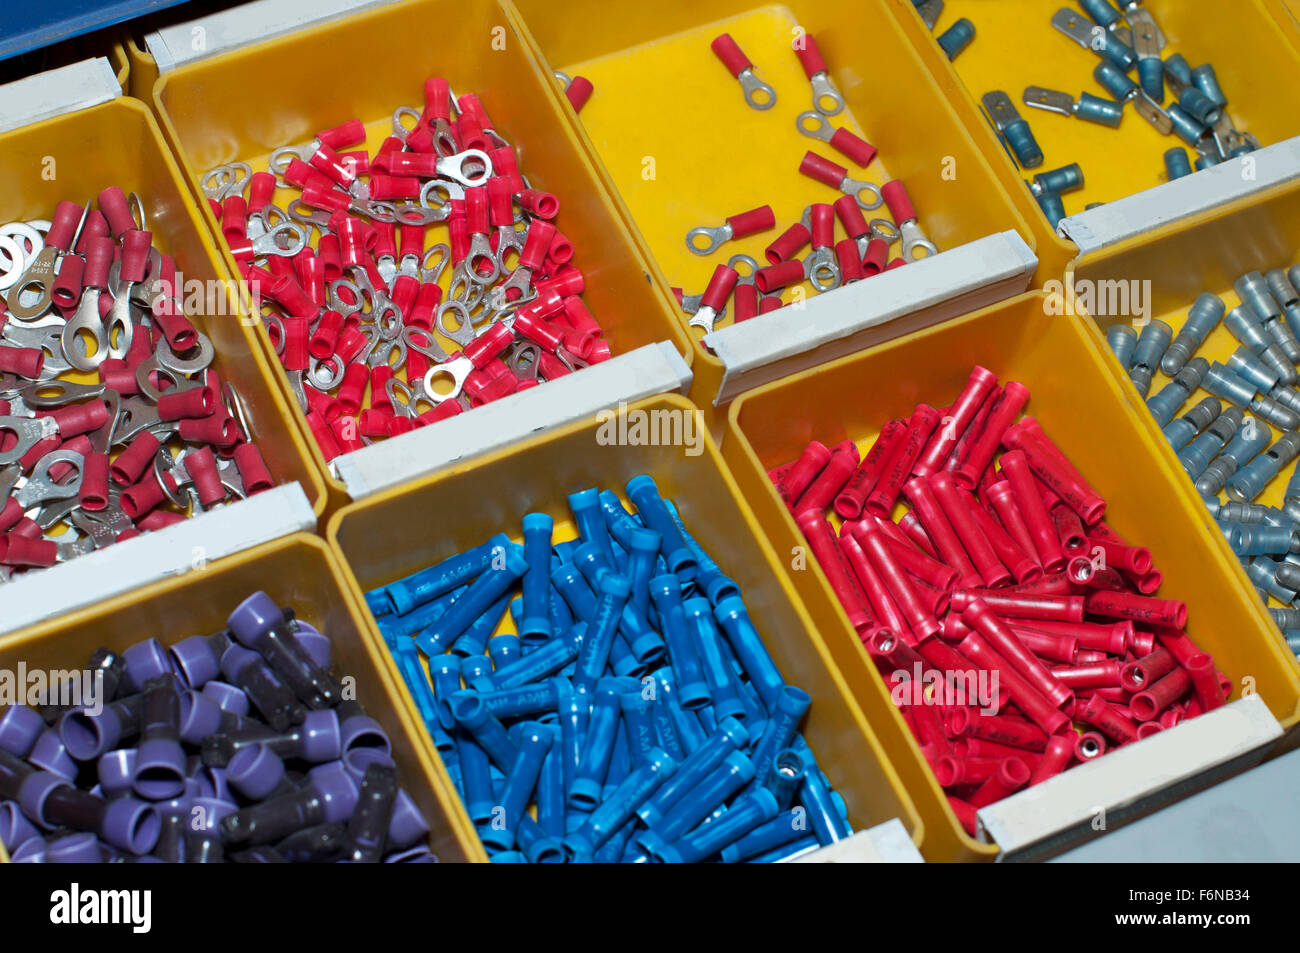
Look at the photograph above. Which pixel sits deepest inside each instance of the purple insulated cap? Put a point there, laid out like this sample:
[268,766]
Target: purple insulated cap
[196,661]
[35,791]
[160,770]
[51,753]
[317,645]
[116,771]
[19,728]
[358,759]
[146,660]
[337,789]
[14,828]
[321,740]
[253,617]
[88,736]
[206,813]
[255,771]
[200,716]
[231,698]
[408,824]
[412,855]
[79,848]
[30,852]
[362,731]
[213,782]
[131,825]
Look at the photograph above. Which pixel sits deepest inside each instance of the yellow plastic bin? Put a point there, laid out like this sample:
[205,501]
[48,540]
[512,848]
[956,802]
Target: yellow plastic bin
[680,146]
[1161,275]
[380,541]
[298,571]
[118,143]
[1016,46]
[1087,412]
[241,105]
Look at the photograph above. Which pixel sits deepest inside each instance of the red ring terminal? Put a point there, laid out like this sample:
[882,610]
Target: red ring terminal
[300,175]
[778,276]
[537,203]
[506,165]
[560,251]
[219,430]
[347,433]
[63,223]
[135,254]
[745,301]
[130,465]
[855,147]
[578,92]
[81,418]
[470,133]
[437,98]
[491,344]
[448,408]
[323,405]
[329,447]
[394,188]
[145,495]
[733,58]
[93,494]
[23,361]
[719,288]
[379,399]
[117,210]
[261,191]
[822,219]
[752,222]
[851,218]
[350,133]
[294,353]
[788,244]
[65,291]
[10,514]
[400,425]
[201,465]
[19,551]
[352,390]
[895,195]
[536,244]
[822,169]
[569,281]
[810,57]
[197,401]
[327,162]
[234,217]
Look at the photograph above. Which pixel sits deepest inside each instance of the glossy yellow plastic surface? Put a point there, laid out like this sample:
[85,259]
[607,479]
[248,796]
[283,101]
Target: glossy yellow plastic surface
[676,139]
[1016,46]
[241,105]
[387,537]
[298,571]
[118,143]
[1164,272]
[1095,421]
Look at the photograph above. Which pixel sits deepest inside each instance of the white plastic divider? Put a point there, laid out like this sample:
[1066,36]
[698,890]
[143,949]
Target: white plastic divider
[865,313]
[647,371]
[181,43]
[886,843]
[1130,782]
[174,551]
[57,91]
[1201,191]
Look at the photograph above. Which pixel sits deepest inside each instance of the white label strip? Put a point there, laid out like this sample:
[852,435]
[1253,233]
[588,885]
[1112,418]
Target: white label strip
[57,91]
[178,549]
[1121,785]
[181,43]
[649,370]
[886,843]
[1199,192]
[866,313]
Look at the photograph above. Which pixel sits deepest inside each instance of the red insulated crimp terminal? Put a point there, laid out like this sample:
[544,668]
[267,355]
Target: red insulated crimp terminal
[714,300]
[915,244]
[1167,613]
[64,222]
[880,501]
[130,465]
[816,126]
[744,301]
[705,240]
[350,133]
[802,472]
[65,291]
[826,98]
[821,217]
[145,495]
[775,277]
[980,452]
[758,94]
[822,542]
[788,244]
[23,361]
[234,217]
[294,350]
[198,401]
[837,177]
[136,245]
[261,190]
[18,550]
[219,430]
[831,480]
[117,210]
[352,391]
[489,345]
[569,281]
[851,218]
[93,494]
[536,203]
[81,418]
[578,92]
[201,465]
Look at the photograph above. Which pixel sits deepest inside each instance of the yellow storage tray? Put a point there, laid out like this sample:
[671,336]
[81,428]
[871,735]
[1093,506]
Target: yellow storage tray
[241,105]
[118,143]
[680,146]
[1162,274]
[1016,46]
[1093,419]
[380,543]
[298,571]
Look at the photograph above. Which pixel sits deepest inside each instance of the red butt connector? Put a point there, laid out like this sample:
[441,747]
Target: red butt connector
[788,244]
[1029,503]
[801,474]
[880,502]
[822,542]
[836,473]
[853,496]
[925,505]
[957,507]
[957,419]
[980,453]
